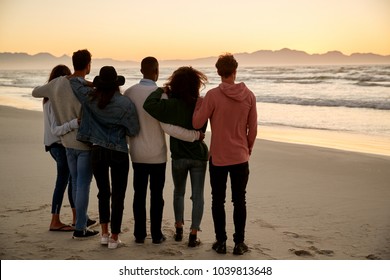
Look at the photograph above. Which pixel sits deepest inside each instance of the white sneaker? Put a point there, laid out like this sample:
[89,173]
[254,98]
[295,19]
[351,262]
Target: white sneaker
[113,244]
[104,239]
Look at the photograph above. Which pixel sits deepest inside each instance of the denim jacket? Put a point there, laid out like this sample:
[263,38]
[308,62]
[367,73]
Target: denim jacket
[106,127]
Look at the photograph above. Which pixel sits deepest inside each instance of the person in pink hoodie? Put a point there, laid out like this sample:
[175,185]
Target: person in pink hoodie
[231,108]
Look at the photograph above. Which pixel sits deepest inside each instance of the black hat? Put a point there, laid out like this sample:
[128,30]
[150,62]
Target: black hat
[108,78]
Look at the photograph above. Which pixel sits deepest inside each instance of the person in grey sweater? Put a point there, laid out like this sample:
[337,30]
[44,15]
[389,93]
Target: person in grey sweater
[66,107]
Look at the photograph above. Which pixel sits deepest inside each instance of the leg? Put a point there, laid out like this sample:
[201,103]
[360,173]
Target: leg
[239,175]
[100,168]
[197,175]
[179,175]
[59,155]
[119,176]
[80,161]
[157,182]
[140,185]
[218,179]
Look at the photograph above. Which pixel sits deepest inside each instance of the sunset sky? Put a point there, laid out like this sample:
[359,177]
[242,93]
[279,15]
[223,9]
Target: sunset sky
[177,29]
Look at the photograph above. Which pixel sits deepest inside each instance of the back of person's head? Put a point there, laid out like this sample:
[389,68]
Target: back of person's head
[107,83]
[58,71]
[149,66]
[185,83]
[226,65]
[81,59]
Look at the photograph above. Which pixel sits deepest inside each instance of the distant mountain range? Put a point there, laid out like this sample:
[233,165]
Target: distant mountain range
[259,58]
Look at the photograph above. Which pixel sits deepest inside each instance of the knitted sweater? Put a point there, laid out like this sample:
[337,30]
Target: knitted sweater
[149,146]
[66,107]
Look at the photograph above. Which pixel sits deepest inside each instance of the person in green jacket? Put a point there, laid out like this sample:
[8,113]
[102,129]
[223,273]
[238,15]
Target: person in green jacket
[191,158]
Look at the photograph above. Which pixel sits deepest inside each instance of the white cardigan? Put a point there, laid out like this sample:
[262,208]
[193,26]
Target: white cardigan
[52,131]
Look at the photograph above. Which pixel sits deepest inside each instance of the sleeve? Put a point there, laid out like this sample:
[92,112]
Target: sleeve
[41,91]
[203,111]
[180,133]
[131,121]
[80,89]
[252,125]
[159,108]
[65,128]
[59,130]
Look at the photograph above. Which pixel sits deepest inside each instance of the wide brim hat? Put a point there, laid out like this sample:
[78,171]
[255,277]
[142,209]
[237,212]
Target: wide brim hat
[108,78]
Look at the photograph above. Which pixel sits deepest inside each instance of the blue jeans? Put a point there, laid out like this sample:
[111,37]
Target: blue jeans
[58,153]
[104,162]
[79,162]
[239,175]
[197,170]
[143,173]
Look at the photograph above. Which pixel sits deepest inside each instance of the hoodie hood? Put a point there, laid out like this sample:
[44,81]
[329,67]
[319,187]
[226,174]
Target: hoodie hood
[236,92]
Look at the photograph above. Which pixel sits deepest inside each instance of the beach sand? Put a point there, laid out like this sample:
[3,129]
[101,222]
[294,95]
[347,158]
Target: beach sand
[304,203]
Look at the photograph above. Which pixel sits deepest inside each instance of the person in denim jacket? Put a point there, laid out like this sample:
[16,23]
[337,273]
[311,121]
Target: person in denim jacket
[108,117]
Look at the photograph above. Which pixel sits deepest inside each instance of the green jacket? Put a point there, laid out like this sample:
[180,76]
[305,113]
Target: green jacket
[175,111]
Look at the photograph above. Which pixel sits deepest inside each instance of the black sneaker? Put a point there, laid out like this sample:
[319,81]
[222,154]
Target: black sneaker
[159,241]
[140,240]
[179,234]
[193,241]
[83,234]
[220,247]
[91,223]
[240,248]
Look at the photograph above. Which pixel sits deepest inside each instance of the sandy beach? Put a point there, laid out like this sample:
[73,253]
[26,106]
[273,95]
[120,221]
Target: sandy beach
[304,203]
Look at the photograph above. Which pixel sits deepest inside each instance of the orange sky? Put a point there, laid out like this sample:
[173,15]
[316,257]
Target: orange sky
[173,29]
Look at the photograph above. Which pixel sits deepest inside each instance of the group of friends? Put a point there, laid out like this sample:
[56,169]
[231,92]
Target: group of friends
[91,128]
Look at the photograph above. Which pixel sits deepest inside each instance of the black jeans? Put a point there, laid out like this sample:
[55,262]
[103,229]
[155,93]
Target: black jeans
[104,161]
[142,172]
[239,175]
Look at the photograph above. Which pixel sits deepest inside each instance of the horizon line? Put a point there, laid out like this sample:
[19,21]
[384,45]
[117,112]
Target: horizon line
[211,56]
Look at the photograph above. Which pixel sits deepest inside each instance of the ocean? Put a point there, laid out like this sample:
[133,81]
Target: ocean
[341,98]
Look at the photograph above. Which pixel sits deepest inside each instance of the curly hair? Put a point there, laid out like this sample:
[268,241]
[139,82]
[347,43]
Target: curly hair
[226,65]
[185,84]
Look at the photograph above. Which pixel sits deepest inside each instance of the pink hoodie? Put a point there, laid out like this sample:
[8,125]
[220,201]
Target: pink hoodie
[232,111]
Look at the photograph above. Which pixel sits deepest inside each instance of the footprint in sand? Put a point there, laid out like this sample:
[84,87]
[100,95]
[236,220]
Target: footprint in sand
[373,257]
[263,224]
[292,234]
[301,253]
[329,253]
[307,253]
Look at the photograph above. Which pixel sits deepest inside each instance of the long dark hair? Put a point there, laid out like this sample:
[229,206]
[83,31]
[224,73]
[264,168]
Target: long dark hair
[58,71]
[185,84]
[103,95]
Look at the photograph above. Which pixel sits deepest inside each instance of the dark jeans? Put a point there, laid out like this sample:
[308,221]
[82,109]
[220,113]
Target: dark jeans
[104,161]
[63,179]
[239,175]
[142,172]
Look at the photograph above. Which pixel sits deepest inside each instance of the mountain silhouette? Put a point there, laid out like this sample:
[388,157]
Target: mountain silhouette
[259,58]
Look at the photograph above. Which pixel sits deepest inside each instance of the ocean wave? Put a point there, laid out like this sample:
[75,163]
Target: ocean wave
[291,100]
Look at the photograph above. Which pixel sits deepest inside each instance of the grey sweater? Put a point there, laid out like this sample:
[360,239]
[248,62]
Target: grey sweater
[66,107]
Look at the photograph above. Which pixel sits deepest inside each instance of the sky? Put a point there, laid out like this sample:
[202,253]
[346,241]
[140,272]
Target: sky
[177,29]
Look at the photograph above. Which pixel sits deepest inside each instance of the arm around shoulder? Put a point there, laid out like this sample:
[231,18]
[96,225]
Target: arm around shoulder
[80,88]
[180,133]
[131,121]
[41,91]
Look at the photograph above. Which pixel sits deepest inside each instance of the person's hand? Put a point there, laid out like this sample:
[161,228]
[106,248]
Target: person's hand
[201,136]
